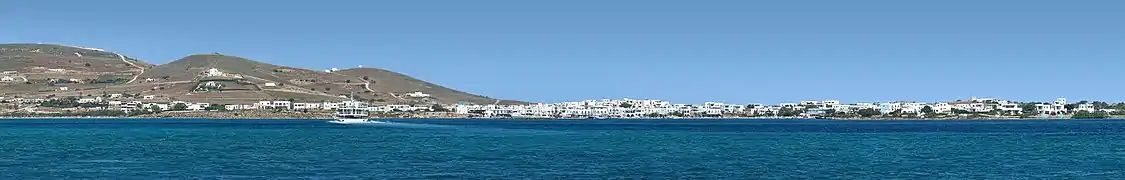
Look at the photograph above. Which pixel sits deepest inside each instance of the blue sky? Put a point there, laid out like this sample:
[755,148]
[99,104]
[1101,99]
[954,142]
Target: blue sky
[733,51]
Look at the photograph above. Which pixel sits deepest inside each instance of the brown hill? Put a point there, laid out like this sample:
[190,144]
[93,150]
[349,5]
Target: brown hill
[188,68]
[392,82]
[387,87]
[239,80]
[36,57]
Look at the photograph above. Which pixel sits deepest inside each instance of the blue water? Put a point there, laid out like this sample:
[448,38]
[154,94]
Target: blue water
[559,149]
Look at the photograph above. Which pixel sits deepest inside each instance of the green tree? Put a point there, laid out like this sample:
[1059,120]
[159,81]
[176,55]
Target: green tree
[438,108]
[1028,108]
[766,114]
[625,105]
[215,107]
[789,112]
[1102,105]
[897,112]
[1070,107]
[1119,106]
[677,114]
[154,109]
[179,107]
[868,112]
[928,110]
[1090,115]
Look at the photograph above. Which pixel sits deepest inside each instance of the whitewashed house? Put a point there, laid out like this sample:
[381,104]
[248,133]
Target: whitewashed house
[306,106]
[942,108]
[887,108]
[417,95]
[1085,107]
[1010,108]
[197,106]
[90,100]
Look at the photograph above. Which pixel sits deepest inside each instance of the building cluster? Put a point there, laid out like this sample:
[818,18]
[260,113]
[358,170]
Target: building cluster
[607,108]
[126,103]
[657,108]
[602,108]
[8,76]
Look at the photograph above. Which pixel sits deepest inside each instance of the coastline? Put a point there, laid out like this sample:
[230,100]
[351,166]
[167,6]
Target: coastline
[267,118]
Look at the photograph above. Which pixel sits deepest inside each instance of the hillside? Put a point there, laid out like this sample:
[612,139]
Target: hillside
[388,81]
[26,57]
[211,78]
[189,67]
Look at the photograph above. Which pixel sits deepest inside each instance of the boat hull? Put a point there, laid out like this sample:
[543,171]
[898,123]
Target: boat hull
[352,121]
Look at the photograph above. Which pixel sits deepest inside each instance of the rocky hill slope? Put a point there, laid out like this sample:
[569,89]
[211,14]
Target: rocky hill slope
[57,70]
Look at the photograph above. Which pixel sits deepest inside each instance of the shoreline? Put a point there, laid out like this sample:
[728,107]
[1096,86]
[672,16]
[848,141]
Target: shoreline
[455,118]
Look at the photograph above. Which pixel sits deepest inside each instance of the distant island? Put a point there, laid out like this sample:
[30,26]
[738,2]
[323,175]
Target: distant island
[44,80]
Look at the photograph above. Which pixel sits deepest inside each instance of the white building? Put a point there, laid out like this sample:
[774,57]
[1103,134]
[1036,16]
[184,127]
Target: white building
[887,108]
[788,105]
[7,79]
[90,100]
[213,72]
[305,106]
[197,106]
[162,107]
[913,108]
[1009,108]
[1085,107]
[942,108]
[330,105]
[1056,108]
[733,108]
[279,104]
[809,103]
[830,102]
[418,95]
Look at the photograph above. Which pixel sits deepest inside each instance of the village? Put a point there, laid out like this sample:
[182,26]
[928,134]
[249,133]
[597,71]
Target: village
[974,108]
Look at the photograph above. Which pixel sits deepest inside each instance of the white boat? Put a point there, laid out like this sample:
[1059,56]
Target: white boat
[352,112]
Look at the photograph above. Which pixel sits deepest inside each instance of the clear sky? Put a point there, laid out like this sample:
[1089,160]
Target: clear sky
[735,51]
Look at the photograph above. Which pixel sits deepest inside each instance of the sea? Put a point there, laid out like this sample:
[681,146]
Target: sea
[561,149]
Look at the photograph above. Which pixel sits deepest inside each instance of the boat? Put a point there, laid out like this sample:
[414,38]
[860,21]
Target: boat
[353,112]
